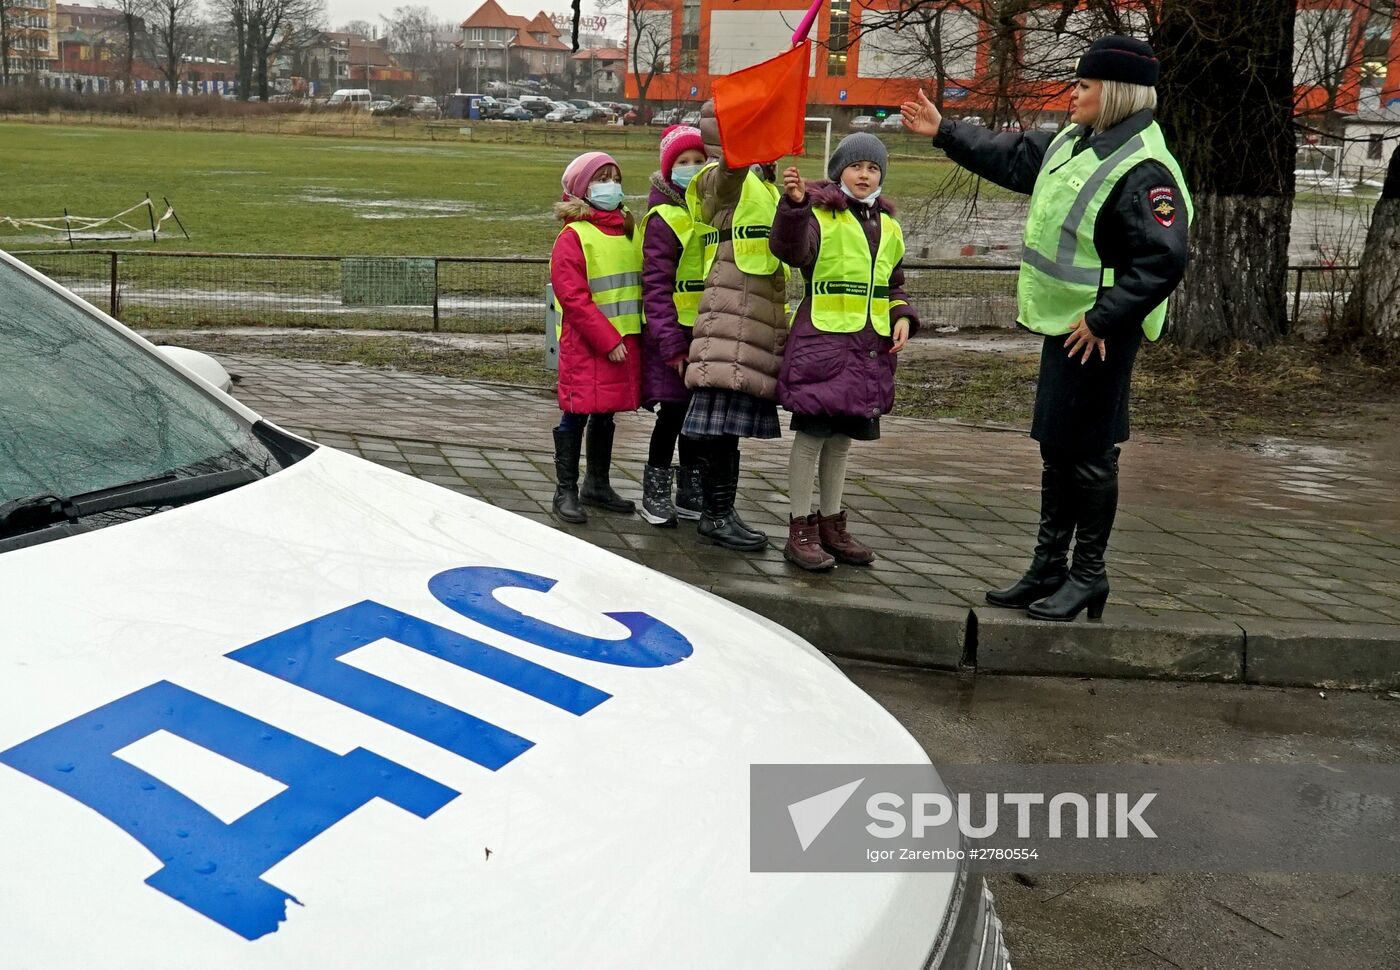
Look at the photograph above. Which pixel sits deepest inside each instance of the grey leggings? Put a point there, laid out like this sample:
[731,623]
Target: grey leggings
[814,457]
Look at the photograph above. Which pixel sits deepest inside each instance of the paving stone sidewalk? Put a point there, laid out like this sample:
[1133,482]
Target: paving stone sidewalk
[1236,555]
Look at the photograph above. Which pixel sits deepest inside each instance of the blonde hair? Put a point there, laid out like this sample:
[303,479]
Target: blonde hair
[1120,100]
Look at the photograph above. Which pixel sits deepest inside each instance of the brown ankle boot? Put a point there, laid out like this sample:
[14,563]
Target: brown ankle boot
[837,541]
[804,548]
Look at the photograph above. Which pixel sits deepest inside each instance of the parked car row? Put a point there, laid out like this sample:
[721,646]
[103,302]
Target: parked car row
[891,122]
[533,107]
[674,116]
[411,106]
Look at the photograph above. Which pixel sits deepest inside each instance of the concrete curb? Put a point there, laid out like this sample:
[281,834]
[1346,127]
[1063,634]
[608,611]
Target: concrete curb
[1267,652]
[1299,654]
[1012,643]
[861,627]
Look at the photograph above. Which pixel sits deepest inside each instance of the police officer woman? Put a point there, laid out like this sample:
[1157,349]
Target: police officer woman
[1105,244]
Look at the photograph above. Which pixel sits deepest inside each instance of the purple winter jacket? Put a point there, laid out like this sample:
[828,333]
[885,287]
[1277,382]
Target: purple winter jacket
[663,337]
[845,374]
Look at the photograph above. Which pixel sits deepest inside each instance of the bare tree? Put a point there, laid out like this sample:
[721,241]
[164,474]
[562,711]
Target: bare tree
[1327,47]
[1373,309]
[411,34]
[648,43]
[7,38]
[1227,105]
[263,29]
[362,28]
[170,30]
[132,36]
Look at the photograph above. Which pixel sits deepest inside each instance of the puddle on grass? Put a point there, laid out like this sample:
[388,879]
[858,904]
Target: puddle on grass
[397,150]
[393,208]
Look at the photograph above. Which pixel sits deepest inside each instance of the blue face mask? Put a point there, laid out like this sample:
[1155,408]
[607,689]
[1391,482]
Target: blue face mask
[868,200]
[605,195]
[682,174]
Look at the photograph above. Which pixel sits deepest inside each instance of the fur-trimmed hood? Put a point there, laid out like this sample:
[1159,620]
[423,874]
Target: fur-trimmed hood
[828,194]
[572,209]
[668,191]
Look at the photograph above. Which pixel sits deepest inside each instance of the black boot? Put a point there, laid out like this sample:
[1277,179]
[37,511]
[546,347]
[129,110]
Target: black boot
[690,494]
[656,497]
[1096,503]
[597,489]
[739,523]
[1049,566]
[567,445]
[717,523]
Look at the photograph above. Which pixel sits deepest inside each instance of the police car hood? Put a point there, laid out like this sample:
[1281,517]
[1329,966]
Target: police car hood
[615,833]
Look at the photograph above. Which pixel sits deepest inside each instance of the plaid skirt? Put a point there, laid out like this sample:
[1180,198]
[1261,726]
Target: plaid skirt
[714,411]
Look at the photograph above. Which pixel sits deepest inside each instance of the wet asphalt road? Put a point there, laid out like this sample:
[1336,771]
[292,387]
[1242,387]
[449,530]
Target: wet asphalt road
[1142,921]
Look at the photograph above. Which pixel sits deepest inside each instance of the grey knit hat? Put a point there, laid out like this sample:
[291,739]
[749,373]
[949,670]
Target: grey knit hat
[858,147]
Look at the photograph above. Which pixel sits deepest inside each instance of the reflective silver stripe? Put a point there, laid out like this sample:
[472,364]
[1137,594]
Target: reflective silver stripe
[621,308]
[1055,143]
[1067,272]
[1069,232]
[614,282]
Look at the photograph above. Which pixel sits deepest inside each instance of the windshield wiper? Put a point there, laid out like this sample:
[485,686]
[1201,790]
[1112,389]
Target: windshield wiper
[42,511]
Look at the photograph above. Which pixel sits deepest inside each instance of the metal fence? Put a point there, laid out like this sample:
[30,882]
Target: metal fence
[470,294]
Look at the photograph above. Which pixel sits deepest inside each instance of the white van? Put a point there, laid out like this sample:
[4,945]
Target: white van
[353,97]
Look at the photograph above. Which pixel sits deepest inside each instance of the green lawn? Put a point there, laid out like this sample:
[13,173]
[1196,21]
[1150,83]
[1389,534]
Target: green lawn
[253,192]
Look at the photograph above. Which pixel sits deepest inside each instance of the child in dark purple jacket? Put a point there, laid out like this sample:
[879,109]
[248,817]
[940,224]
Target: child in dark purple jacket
[672,280]
[837,376]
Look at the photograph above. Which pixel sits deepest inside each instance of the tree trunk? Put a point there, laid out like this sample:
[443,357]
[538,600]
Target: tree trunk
[129,58]
[1373,309]
[1227,108]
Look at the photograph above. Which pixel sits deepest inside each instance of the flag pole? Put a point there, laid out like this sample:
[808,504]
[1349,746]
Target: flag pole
[805,26]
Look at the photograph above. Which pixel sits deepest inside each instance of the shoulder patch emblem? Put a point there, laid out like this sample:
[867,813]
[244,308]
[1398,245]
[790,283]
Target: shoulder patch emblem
[1162,201]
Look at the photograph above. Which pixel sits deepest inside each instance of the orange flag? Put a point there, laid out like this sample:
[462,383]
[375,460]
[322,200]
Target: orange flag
[760,109]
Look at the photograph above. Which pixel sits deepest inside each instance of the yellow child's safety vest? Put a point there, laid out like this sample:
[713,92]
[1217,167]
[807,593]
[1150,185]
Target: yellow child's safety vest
[847,287]
[614,266]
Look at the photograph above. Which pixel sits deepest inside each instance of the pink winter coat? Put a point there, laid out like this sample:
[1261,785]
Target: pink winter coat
[589,383]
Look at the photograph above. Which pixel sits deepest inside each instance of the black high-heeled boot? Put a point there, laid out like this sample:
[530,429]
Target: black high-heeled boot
[597,487]
[1049,566]
[1096,504]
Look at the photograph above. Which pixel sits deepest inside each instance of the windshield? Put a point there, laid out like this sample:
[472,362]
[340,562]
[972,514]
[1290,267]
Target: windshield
[82,408]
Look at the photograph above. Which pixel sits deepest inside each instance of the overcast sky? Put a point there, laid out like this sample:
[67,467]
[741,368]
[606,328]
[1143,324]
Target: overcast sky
[341,12]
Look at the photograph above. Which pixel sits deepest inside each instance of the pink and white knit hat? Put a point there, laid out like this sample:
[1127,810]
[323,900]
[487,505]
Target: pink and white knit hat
[581,171]
[675,140]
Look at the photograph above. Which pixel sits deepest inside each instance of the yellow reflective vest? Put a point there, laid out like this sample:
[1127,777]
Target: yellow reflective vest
[614,276]
[847,287]
[690,272]
[748,230]
[1061,269]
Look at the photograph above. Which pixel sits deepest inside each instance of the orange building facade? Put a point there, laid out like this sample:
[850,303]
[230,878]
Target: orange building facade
[870,70]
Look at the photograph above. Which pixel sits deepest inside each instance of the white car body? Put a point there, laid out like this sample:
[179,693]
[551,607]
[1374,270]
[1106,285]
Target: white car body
[200,364]
[618,839]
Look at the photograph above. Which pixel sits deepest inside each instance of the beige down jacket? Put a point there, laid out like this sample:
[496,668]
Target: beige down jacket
[741,326]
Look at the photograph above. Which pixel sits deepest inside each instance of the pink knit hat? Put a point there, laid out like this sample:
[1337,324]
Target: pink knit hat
[675,140]
[582,170]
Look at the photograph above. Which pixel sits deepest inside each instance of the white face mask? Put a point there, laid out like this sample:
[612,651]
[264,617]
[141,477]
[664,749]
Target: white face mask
[605,195]
[682,174]
[868,200]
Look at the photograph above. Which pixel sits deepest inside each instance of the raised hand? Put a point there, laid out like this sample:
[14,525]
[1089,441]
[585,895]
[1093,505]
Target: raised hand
[922,117]
[793,185]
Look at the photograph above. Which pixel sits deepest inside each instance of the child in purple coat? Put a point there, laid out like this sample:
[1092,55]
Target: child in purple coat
[837,375]
[672,280]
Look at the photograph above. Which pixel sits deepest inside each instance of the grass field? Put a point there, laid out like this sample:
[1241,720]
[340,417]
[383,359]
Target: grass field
[295,193]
